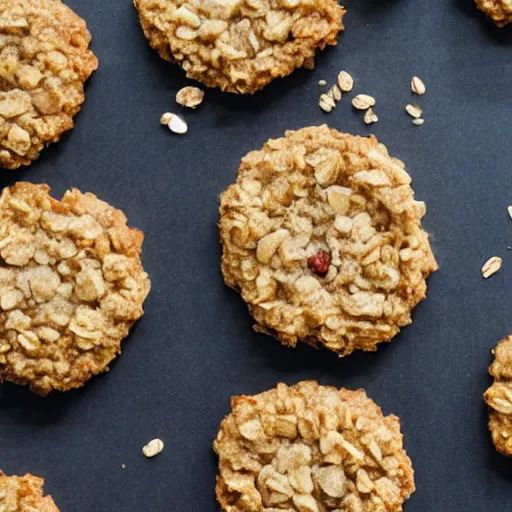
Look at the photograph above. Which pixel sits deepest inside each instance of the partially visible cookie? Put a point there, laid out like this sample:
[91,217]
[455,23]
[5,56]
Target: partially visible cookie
[44,62]
[499,397]
[24,494]
[322,237]
[71,286]
[310,448]
[240,45]
[500,11]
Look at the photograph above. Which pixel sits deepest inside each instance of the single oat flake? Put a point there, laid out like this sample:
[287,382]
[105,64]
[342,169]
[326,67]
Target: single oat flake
[175,123]
[414,110]
[153,448]
[510,211]
[417,86]
[345,81]
[363,102]
[418,122]
[370,116]
[190,97]
[334,93]
[491,266]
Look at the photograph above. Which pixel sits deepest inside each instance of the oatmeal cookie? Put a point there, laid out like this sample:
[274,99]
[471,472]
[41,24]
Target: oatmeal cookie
[24,494]
[44,62]
[310,448]
[240,45]
[322,236]
[499,397]
[71,286]
[500,11]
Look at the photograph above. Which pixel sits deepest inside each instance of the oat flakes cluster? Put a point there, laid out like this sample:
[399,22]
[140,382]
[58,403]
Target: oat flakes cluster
[499,397]
[71,286]
[310,448]
[44,62]
[240,45]
[24,494]
[322,237]
[500,11]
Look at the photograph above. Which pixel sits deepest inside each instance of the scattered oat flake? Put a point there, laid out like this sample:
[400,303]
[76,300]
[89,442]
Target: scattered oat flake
[326,103]
[123,466]
[153,448]
[322,83]
[190,97]
[414,110]
[345,81]
[418,122]
[510,211]
[334,93]
[175,123]
[370,116]
[417,86]
[363,102]
[491,266]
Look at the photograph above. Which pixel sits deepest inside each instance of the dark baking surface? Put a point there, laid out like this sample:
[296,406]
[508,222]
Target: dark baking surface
[194,347]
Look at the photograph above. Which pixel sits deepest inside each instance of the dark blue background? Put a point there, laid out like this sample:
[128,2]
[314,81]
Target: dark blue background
[194,347]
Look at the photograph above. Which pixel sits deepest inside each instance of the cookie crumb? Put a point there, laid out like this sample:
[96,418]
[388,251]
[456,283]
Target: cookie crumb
[491,266]
[417,86]
[153,448]
[322,83]
[190,97]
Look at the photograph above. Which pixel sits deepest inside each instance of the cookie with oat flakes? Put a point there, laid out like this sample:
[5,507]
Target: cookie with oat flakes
[24,494]
[71,286]
[240,45]
[500,11]
[45,60]
[322,237]
[499,397]
[311,448]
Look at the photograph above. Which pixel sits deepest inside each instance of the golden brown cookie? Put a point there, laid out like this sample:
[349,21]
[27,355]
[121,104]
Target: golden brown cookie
[322,237]
[44,62]
[499,397]
[24,494]
[240,45]
[310,448]
[71,286]
[500,11]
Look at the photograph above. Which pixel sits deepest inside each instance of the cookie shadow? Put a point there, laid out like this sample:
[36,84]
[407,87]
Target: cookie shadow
[496,35]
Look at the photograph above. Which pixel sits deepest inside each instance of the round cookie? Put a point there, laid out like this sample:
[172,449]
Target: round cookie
[499,397]
[24,494]
[45,61]
[240,45]
[322,237]
[310,448]
[71,286]
[500,11]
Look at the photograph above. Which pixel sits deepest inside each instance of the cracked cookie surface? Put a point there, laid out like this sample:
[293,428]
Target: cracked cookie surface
[311,448]
[500,11]
[499,397]
[240,45]
[71,286]
[44,62]
[24,494]
[322,237]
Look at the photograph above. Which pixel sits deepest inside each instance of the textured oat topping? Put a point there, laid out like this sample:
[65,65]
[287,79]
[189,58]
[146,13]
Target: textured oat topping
[71,286]
[44,62]
[240,45]
[320,190]
[24,494]
[499,397]
[310,448]
[500,11]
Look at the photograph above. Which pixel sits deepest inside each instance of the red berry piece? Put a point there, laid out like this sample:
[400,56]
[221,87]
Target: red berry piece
[319,263]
